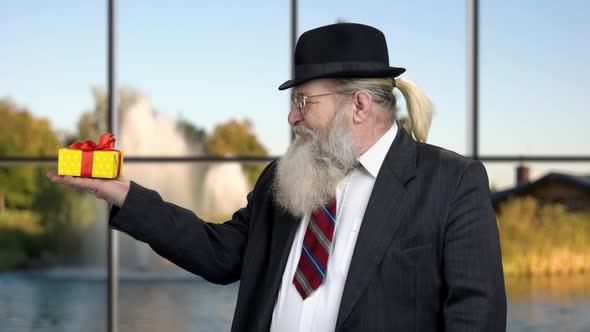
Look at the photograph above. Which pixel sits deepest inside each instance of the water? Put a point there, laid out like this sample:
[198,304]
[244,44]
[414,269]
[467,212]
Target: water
[67,302]
[549,304]
[70,301]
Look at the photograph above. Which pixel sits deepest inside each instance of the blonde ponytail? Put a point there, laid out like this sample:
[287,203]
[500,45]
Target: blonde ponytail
[419,109]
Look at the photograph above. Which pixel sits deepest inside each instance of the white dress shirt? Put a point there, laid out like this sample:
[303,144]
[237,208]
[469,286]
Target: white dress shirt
[318,313]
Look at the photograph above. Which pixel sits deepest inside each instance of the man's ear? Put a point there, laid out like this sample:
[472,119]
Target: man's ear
[362,106]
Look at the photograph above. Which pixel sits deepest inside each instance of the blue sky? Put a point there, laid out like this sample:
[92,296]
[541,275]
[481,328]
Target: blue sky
[210,62]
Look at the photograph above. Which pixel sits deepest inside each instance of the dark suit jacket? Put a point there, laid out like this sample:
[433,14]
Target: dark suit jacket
[427,257]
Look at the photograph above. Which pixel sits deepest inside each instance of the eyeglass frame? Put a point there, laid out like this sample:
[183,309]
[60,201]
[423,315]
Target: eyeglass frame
[303,103]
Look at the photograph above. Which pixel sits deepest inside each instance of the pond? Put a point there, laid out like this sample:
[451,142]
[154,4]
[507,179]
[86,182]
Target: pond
[76,301]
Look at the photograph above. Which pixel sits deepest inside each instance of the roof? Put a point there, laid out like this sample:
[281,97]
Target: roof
[578,181]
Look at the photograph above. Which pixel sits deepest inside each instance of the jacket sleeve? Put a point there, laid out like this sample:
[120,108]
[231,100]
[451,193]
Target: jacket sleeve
[475,298]
[213,251]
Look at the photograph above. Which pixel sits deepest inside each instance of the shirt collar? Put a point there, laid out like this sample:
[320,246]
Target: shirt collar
[373,158]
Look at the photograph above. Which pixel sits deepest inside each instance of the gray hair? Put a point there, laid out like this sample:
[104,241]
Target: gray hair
[419,107]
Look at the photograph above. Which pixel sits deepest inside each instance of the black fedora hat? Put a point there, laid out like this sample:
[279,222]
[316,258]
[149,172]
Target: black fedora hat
[342,50]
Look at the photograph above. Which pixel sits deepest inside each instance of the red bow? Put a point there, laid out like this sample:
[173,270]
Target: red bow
[105,142]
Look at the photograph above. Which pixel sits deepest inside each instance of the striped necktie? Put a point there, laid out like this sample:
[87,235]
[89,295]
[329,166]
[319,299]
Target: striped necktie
[317,243]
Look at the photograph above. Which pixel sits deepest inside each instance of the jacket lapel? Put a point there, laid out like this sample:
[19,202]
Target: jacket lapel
[381,219]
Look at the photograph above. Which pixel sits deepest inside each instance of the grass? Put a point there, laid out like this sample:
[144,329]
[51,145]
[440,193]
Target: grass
[543,240]
[536,240]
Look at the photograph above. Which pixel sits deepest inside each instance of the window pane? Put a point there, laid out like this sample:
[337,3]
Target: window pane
[544,227]
[535,64]
[54,60]
[214,191]
[428,39]
[204,65]
[52,254]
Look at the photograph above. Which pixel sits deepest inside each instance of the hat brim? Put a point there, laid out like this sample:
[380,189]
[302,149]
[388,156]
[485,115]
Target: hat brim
[390,72]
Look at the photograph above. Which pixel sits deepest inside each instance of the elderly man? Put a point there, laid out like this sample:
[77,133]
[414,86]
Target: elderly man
[360,226]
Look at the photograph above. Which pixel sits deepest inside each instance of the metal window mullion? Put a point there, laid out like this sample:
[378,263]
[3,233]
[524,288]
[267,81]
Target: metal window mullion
[112,235]
[15,161]
[293,43]
[473,75]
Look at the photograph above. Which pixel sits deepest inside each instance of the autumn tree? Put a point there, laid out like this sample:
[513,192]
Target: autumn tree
[237,138]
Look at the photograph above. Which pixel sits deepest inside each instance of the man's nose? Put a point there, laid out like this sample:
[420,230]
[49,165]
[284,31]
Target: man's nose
[295,116]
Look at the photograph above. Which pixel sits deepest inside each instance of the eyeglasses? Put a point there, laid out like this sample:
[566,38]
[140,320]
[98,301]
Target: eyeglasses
[299,100]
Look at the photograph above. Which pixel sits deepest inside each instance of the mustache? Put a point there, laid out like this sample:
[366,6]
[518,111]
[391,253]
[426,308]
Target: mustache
[302,130]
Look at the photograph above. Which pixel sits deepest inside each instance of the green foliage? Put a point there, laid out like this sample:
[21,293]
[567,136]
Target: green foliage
[22,135]
[36,214]
[190,132]
[53,224]
[26,221]
[234,138]
[237,138]
[10,259]
[21,237]
[546,239]
[17,186]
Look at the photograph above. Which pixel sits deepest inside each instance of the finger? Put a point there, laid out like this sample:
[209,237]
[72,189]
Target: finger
[54,177]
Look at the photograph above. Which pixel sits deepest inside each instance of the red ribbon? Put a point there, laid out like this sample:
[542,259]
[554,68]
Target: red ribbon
[106,142]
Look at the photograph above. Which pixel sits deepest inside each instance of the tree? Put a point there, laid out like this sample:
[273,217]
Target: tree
[59,210]
[24,136]
[236,138]
[193,134]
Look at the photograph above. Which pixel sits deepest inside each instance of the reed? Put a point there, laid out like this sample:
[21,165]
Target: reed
[543,240]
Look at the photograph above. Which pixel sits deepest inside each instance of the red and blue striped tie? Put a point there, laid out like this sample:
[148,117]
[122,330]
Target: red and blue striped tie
[317,243]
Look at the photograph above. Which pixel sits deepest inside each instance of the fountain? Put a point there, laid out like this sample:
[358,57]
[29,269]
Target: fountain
[208,189]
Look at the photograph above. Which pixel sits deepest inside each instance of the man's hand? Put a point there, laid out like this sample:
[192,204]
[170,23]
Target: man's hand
[113,191]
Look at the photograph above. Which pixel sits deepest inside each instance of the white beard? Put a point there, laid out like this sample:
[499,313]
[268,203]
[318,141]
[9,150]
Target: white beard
[308,173]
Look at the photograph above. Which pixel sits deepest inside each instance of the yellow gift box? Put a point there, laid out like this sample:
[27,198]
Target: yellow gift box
[89,159]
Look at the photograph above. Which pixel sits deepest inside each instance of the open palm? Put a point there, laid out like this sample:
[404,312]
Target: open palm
[113,191]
